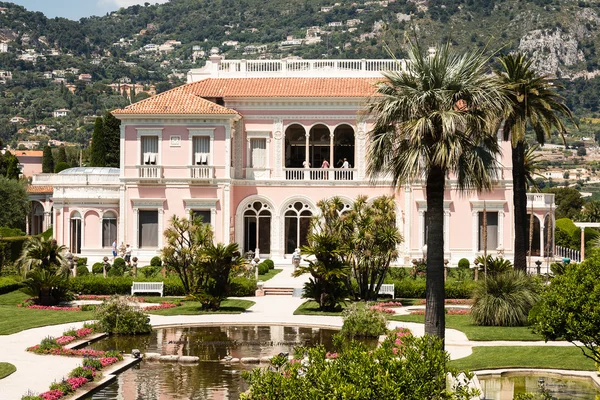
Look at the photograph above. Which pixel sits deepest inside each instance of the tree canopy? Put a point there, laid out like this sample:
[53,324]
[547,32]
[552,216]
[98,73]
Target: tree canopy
[15,203]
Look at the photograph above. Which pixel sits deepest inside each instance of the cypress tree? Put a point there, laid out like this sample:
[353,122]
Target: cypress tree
[112,137]
[61,157]
[98,150]
[47,161]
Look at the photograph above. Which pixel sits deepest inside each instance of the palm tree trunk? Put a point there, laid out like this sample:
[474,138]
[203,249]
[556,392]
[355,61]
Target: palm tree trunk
[520,206]
[435,317]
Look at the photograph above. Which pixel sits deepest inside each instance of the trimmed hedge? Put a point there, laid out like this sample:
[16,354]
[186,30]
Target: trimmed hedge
[415,288]
[98,268]
[13,247]
[97,284]
[10,232]
[82,270]
[9,284]
[82,262]
[263,268]
[156,261]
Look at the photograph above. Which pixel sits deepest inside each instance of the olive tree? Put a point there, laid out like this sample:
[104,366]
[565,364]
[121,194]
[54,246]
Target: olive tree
[569,308]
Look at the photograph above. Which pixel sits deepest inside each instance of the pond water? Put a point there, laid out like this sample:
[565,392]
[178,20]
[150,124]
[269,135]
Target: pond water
[207,379]
[557,386]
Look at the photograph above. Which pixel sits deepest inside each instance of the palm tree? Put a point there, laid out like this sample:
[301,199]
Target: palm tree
[533,102]
[39,252]
[434,119]
[533,166]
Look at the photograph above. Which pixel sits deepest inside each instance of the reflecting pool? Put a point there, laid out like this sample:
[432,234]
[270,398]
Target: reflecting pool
[557,386]
[208,379]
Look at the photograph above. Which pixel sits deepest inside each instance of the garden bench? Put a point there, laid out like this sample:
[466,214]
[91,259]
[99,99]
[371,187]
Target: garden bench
[387,289]
[147,287]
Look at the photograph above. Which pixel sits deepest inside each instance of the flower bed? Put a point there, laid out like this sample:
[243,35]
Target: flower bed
[449,311]
[95,360]
[382,309]
[162,306]
[450,301]
[104,297]
[390,304]
[52,308]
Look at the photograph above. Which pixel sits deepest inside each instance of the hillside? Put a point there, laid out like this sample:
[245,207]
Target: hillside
[88,66]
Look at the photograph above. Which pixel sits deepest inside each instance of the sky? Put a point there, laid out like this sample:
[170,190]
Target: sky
[76,9]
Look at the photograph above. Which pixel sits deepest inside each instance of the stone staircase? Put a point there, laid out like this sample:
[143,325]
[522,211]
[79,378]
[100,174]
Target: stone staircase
[283,284]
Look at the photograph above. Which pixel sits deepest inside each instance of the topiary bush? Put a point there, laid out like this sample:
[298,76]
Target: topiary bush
[242,287]
[505,299]
[149,271]
[82,270]
[269,263]
[98,268]
[82,261]
[116,316]
[156,261]
[464,263]
[115,270]
[119,263]
[362,321]
[263,268]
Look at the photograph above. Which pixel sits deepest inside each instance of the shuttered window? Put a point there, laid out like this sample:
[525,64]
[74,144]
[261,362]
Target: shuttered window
[149,150]
[258,150]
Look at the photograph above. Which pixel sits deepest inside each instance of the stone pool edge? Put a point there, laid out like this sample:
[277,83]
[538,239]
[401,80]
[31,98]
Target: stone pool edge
[593,375]
[108,376]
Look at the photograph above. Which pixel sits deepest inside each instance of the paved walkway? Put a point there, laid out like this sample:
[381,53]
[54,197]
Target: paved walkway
[37,372]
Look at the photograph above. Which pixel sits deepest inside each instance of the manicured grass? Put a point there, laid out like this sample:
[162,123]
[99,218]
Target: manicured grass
[6,369]
[229,306]
[525,357]
[269,275]
[311,307]
[13,298]
[463,323]
[14,319]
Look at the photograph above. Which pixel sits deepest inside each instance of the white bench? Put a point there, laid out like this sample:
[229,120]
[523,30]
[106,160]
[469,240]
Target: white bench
[387,289]
[147,287]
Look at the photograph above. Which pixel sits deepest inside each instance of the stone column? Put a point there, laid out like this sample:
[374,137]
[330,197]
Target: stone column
[306,157]
[582,243]
[542,230]
[47,221]
[331,154]
[136,224]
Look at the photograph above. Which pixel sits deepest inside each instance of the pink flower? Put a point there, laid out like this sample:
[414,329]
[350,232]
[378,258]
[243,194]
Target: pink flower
[63,340]
[162,306]
[54,308]
[84,332]
[77,382]
[52,394]
[331,356]
[108,361]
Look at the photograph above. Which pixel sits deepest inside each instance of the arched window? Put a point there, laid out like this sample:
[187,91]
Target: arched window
[257,227]
[109,228]
[535,238]
[37,218]
[76,232]
[297,225]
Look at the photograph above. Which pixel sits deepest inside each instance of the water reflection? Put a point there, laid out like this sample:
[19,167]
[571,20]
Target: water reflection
[208,379]
[506,387]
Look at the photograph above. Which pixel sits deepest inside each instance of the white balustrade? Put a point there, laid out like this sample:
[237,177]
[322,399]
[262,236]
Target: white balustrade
[149,171]
[219,68]
[319,174]
[201,172]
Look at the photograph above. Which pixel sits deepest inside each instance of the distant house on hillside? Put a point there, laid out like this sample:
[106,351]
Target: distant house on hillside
[63,112]
[18,120]
[3,47]
[85,78]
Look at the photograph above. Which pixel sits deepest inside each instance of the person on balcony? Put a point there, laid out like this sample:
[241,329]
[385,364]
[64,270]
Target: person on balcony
[346,164]
[305,164]
[325,164]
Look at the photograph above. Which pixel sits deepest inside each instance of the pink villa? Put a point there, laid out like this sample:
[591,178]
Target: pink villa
[242,145]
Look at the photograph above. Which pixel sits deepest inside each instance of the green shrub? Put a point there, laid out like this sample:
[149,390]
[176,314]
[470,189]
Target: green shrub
[13,247]
[61,166]
[149,271]
[558,268]
[460,289]
[464,263]
[263,268]
[116,316]
[10,232]
[409,288]
[10,283]
[119,263]
[362,321]
[269,263]
[156,261]
[85,372]
[397,273]
[92,363]
[242,287]
[98,268]
[82,261]
[494,266]
[115,270]
[504,299]
[82,270]
[63,386]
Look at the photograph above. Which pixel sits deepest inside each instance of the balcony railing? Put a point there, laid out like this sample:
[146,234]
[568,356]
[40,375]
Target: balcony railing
[319,174]
[202,172]
[149,171]
[540,199]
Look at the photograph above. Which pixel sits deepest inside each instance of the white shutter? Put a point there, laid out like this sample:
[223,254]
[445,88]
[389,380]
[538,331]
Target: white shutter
[149,147]
[202,150]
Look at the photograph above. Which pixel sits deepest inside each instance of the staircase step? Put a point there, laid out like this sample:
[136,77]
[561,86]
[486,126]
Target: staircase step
[279,291]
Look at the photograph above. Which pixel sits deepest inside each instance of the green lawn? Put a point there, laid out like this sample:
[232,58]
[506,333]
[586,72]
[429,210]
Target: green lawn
[463,323]
[6,369]
[13,298]
[229,306]
[269,275]
[525,357]
[14,319]
[311,307]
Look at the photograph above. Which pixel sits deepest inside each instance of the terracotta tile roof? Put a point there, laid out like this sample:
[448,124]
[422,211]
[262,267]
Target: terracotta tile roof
[176,101]
[284,87]
[188,99]
[39,189]
[28,153]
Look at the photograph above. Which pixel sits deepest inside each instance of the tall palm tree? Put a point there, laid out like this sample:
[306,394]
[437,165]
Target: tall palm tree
[434,119]
[533,102]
